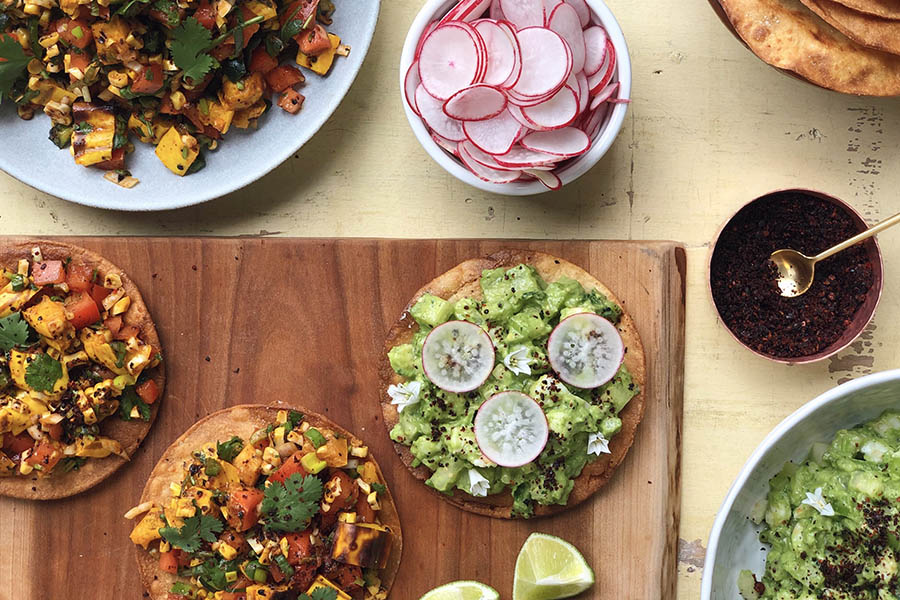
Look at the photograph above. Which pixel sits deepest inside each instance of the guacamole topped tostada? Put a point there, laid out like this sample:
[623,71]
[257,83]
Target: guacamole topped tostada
[512,384]
[80,371]
[265,502]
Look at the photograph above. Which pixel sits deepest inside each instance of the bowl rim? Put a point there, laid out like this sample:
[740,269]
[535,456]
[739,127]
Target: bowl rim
[877,284]
[600,144]
[799,415]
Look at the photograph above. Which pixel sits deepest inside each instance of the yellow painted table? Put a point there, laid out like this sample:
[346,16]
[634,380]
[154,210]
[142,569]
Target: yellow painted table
[710,127]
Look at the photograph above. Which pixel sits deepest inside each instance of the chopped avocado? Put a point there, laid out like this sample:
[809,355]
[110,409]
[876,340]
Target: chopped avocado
[431,310]
[406,360]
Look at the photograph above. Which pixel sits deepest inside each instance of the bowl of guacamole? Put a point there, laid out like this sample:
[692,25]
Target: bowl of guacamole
[815,512]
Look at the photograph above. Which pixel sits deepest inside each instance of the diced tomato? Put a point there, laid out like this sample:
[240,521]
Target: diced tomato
[205,14]
[291,100]
[301,11]
[193,114]
[55,431]
[84,310]
[115,162]
[231,596]
[223,50]
[364,512]
[282,77]
[198,89]
[276,573]
[166,107]
[168,561]
[148,391]
[261,61]
[127,332]
[243,508]
[349,490]
[114,324]
[313,41]
[49,272]
[299,547]
[149,80]
[99,293]
[17,444]
[289,467]
[79,276]
[75,32]
[78,60]
[233,539]
[46,455]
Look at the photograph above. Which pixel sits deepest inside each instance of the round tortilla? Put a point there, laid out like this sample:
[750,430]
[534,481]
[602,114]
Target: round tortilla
[787,35]
[886,9]
[242,421]
[130,434]
[464,281]
[868,30]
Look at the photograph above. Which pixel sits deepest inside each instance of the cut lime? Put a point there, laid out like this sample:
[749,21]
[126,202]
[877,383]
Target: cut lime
[462,590]
[549,568]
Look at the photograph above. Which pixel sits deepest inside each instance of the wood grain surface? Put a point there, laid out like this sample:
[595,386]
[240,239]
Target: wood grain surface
[259,320]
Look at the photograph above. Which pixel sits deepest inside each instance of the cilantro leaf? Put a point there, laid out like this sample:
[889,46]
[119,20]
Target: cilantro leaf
[294,418]
[128,401]
[12,64]
[230,449]
[13,332]
[196,529]
[189,45]
[290,505]
[321,593]
[43,372]
[378,487]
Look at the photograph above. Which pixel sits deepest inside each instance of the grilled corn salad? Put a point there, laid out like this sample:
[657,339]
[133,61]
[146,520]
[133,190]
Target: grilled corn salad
[68,362]
[177,74]
[292,510]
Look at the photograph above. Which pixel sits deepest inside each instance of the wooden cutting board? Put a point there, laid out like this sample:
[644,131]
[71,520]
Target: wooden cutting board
[303,321]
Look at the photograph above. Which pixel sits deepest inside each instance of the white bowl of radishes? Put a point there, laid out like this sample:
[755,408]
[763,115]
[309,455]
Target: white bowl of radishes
[515,97]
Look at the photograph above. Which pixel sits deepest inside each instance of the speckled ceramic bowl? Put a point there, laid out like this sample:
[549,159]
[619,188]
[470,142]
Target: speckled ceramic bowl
[734,541]
[242,157]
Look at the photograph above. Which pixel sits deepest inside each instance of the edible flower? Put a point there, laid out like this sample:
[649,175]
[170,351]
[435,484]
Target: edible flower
[405,394]
[478,485]
[817,501]
[597,444]
[518,361]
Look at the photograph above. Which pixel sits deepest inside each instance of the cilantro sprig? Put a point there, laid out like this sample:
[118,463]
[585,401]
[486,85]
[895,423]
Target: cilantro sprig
[195,531]
[128,401]
[12,64]
[190,42]
[13,331]
[290,505]
[230,449]
[43,372]
[321,593]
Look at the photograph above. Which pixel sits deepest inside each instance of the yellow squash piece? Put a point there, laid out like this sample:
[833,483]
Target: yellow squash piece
[248,465]
[18,414]
[97,345]
[48,91]
[362,544]
[48,318]
[147,529]
[333,452]
[11,301]
[7,466]
[94,135]
[202,498]
[320,583]
[260,592]
[176,152]
[227,478]
[320,64]
[262,9]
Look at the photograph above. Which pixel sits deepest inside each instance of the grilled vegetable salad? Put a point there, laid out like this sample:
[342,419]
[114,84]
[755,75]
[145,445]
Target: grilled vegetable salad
[177,74]
[293,509]
[69,361]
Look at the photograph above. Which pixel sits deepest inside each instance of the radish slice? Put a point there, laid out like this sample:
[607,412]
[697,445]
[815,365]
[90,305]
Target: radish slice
[548,178]
[425,33]
[523,13]
[604,95]
[585,350]
[595,39]
[494,136]
[546,62]
[525,158]
[475,103]
[432,111]
[584,92]
[489,161]
[564,21]
[484,172]
[595,120]
[448,145]
[458,356]
[598,80]
[566,142]
[549,7]
[501,52]
[467,11]
[556,113]
[517,68]
[410,84]
[583,10]
[511,429]
[496,12]
[450,60]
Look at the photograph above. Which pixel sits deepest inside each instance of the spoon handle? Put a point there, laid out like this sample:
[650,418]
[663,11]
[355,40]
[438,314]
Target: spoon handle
[863,235]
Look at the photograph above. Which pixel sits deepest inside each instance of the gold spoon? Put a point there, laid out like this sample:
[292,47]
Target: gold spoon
[796,270]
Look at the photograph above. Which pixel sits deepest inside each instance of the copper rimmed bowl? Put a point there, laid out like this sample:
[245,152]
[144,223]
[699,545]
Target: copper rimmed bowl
[863,314]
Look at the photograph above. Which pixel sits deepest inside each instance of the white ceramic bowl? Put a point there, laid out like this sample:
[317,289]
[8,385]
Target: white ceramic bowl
[572,169]
[734,543]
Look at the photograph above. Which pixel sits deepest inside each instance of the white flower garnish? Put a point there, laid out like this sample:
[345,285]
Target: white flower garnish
[817,501]
[518,361]
[478,485]
[404,394]
[597,444]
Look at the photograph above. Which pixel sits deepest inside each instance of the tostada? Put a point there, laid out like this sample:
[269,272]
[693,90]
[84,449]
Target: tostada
[513,384]
[80,369]
[257,502]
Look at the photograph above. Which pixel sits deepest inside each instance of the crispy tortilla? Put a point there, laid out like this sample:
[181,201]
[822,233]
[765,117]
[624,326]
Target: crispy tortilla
[129,434]
[463,281]
[242,421]
[886,9]
[868,30]
[787,35]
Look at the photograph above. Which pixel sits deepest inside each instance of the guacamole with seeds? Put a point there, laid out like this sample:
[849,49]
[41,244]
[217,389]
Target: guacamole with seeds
[833,521]
[518,310]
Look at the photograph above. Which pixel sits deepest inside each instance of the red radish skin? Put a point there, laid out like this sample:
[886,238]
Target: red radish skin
[548,178]
[475,103]
[446,144]
[481,426]
[466,11]
[432,111]
[441,329]
[599,80]
[523,13]
[555,347]
[450,60]
[595,120]
[566,142]
[564,21]
[494,136]
[410,84]
[595,39]
[517,69]
[525,158]
[584,93]
[549,7]
[483,172]
[604,95]
[501,52]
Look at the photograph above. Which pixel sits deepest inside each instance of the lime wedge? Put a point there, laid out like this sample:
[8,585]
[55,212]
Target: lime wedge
[549,568]
[462,590]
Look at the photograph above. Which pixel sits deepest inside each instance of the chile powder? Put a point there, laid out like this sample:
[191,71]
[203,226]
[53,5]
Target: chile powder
[744,280]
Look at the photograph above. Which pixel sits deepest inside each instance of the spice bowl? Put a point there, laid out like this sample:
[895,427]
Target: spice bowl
[815,325]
